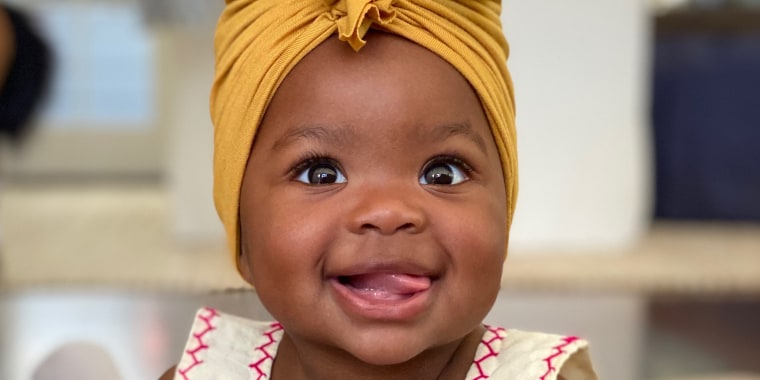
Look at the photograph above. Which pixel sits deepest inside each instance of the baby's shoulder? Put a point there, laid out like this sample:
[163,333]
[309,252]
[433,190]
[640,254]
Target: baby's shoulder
[516,354]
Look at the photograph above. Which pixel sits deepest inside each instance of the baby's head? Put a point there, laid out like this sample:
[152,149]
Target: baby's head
[371,211]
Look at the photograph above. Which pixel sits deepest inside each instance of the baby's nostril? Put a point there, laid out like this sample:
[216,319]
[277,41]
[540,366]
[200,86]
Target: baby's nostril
[407,226]
[369,226]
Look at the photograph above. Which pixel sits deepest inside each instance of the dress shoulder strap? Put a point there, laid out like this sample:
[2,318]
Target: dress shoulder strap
[223,346]
[514,354]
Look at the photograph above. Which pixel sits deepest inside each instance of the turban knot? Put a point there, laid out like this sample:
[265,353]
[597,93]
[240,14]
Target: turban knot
[354,18]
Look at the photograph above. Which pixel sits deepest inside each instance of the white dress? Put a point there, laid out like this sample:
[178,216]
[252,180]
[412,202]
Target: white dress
[227,347]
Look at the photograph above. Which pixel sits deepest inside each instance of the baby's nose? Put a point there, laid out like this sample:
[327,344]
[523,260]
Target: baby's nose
[388,210]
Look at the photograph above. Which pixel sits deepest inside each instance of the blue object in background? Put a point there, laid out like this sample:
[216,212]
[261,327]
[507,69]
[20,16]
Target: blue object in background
[706,117]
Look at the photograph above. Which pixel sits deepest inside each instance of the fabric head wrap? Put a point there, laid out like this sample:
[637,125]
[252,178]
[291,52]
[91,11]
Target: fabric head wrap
[258,42]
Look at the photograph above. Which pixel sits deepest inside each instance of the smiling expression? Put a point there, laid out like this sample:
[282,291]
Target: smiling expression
[373,208]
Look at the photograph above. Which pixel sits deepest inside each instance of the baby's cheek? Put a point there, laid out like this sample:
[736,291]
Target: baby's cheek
[491,228]
[478,242]
[482,258]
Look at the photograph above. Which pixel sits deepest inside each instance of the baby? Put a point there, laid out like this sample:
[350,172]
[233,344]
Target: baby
[367,192]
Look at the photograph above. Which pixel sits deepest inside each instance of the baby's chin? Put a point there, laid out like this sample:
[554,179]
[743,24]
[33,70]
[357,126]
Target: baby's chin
[384,355]
[393,349]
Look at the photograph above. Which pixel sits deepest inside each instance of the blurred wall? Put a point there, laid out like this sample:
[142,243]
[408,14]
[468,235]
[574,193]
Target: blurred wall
[580,70]
[186,32]
[188,70]
[581,73]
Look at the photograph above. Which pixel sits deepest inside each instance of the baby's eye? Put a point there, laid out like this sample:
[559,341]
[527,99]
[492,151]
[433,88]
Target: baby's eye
[319,172]
[446,171]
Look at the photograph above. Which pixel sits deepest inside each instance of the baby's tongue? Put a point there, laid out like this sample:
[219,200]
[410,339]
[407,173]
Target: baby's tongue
[388,285]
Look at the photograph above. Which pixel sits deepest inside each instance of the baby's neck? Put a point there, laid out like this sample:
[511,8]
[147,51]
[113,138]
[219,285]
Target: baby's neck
[448,362]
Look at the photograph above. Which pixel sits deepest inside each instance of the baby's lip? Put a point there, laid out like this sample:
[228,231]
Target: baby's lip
[369,270]
[385,291]
[387,285]
[386,279]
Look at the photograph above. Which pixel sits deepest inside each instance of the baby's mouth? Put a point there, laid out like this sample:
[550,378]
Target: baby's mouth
[385,286]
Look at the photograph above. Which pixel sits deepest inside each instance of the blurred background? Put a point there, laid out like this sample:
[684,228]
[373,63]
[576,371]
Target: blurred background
[638,225]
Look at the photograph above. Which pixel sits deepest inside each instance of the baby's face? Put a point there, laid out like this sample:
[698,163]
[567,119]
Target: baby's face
[373,209]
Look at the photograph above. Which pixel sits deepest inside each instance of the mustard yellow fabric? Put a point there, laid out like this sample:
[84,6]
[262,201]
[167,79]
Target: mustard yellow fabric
[258,42]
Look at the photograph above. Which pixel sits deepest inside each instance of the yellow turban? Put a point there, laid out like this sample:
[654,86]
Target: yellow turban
[258,42]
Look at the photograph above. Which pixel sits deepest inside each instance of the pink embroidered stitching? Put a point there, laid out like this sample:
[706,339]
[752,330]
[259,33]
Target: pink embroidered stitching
[558,350]
[274,327]
[199,336]
[497,335]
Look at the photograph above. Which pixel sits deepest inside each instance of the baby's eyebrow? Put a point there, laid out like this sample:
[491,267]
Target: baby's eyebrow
[322,133]
[443,132]
[337,135]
